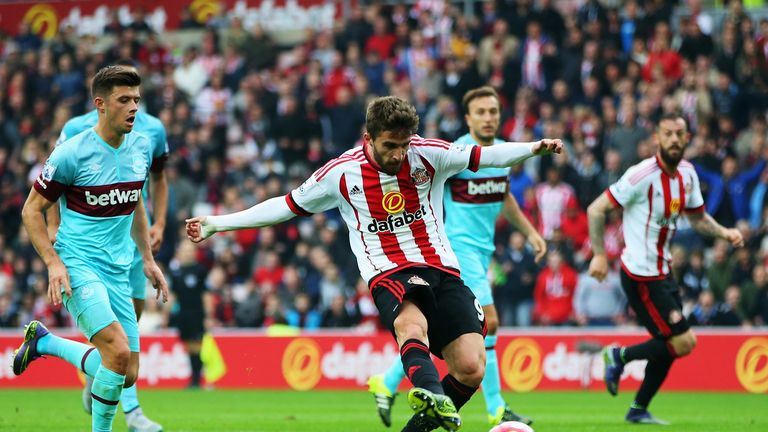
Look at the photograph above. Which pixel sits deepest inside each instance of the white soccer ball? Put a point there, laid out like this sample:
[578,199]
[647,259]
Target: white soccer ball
[511,426]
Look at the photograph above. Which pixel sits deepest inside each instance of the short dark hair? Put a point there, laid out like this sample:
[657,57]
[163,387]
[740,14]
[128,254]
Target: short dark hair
[390,113]
[674,116]
[111,76]
[478,93]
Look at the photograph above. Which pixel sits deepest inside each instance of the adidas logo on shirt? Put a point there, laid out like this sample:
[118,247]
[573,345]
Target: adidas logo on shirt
[355,190]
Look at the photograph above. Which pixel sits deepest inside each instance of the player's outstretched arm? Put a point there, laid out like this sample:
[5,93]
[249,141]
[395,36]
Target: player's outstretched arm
[598,267]
[32,215]
[706,225]
[270,212]
[512,153]
[515,215]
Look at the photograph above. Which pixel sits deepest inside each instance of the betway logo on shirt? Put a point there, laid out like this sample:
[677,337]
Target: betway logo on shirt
[487,187]
[393,222]
[478,190]
[106,200]
[114,197]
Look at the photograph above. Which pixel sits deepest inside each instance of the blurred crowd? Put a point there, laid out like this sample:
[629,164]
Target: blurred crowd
[248,119]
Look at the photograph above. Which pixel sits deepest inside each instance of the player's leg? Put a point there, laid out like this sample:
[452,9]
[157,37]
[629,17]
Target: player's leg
[39,341]
[456,331]
[89,307]
[474,273]
[128,303]
[659,308]
[384,389]
[111,376]
[403,300]
[193,346]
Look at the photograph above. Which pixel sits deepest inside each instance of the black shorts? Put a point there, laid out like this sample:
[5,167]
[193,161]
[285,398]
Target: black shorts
[449,306]
[658,305]
[190,325]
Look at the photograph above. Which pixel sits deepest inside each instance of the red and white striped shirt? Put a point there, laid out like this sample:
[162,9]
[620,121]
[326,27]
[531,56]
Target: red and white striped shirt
[653,202]
[394,221]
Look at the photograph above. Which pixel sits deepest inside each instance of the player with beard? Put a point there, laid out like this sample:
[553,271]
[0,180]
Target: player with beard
[473,201]
[390,194]
[653,194]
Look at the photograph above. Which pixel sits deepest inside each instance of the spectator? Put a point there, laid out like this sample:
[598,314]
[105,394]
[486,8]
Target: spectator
[727,195]
[514,298]
[554,292]
[710,312]
[694,277]
[338,314]
[599,303]
[303,315]
[551,200]
[190,76]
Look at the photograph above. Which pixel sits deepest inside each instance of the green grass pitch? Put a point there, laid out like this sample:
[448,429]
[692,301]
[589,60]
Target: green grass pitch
[319,411]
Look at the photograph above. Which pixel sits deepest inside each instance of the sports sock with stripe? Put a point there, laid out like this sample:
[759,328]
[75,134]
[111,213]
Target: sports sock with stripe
[418,366]
[458,392]
[105,394]
[82,356]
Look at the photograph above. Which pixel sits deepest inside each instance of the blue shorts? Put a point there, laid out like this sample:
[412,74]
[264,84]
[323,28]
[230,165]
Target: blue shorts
[137,279]
[99,299]
[474,265]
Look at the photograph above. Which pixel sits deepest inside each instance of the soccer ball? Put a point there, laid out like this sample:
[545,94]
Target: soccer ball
[511,426]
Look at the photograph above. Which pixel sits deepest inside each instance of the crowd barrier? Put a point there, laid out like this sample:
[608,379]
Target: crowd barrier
[557,359]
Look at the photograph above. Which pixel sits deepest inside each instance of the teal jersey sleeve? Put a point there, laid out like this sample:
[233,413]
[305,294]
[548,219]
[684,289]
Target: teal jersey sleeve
[58,173]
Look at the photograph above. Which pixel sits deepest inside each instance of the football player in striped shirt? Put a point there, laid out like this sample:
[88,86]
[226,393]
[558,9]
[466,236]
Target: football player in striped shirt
[390,194]
[473,201]
[653,195]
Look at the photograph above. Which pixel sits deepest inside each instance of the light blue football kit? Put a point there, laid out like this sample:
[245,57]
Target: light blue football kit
[153,128]
[472,202]
[99,188]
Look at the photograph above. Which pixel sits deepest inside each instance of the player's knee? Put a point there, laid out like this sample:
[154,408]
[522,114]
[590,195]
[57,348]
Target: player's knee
[117,356]
[687,344]
[684,344]
[410,328]
[469,370]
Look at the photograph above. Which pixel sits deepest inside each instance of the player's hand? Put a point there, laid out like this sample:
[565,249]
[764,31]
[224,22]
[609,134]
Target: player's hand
[155,237]
[539,246]
[548,146]
[155,276]
[598,267]
[58,277]
[197,229]
[734,236]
